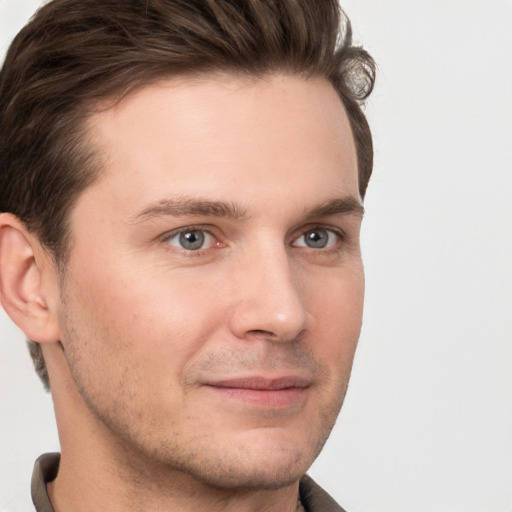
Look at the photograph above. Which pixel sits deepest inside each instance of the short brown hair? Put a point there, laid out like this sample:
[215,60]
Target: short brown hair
[75,53]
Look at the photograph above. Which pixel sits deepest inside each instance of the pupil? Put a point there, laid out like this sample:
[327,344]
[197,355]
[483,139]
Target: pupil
[192,240]
[316,239]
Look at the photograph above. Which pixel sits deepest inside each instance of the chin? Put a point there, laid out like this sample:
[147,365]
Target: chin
[267,460]
[247,475]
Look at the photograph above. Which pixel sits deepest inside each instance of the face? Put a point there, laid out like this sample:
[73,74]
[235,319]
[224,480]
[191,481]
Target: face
[212,300]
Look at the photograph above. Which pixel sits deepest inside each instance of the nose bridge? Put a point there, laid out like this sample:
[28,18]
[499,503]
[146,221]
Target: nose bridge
[269,300]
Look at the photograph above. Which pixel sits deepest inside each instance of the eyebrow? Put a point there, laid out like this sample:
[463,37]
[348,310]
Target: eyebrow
[337,206]
[187,207]
[183,207]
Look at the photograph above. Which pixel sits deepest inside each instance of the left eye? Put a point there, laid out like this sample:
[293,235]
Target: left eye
[192,240]
[317,238]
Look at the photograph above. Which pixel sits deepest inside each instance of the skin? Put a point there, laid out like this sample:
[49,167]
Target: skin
[205,379]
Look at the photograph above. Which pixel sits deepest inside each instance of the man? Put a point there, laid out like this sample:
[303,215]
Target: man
[181,185]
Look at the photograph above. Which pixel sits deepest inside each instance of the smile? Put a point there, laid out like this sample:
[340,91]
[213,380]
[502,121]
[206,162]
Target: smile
[278,393]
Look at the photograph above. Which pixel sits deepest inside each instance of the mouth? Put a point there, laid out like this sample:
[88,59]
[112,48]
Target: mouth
[268,393]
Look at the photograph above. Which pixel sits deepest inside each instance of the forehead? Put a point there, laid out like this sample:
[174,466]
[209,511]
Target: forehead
[222,136]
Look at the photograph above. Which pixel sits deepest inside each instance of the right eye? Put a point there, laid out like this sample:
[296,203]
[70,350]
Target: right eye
[192,239]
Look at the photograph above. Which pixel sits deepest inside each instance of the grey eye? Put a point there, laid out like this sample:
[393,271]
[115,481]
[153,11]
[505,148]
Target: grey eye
[192,240]
[318,238]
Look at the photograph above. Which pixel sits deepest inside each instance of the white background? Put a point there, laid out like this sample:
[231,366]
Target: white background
[427,424]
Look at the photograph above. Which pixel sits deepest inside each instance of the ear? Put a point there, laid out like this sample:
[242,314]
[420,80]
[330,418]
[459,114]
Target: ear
[28,281]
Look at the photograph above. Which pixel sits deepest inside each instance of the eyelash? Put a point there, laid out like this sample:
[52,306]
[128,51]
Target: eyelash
[190,229]
[338,233]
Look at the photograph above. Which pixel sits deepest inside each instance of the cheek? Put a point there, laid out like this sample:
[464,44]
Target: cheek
[129,340]
[157,319]
[337,310]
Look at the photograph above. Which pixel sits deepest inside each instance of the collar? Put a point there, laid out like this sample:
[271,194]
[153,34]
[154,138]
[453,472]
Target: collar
[45,470]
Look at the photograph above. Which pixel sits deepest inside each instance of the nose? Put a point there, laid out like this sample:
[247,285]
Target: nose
[269,301]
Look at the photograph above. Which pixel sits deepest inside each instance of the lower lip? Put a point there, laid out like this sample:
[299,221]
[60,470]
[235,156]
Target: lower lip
[265,398]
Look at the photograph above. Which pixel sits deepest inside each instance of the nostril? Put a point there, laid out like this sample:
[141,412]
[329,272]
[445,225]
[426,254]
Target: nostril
[261,332]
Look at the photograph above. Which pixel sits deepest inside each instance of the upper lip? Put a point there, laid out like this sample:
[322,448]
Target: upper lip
[261,383]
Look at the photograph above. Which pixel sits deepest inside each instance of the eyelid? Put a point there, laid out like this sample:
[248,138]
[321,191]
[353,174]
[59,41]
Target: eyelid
[338,232]
[190,228]
[211,230]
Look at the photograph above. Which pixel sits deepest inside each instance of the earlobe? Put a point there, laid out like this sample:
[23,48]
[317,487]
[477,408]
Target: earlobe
[22,264]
